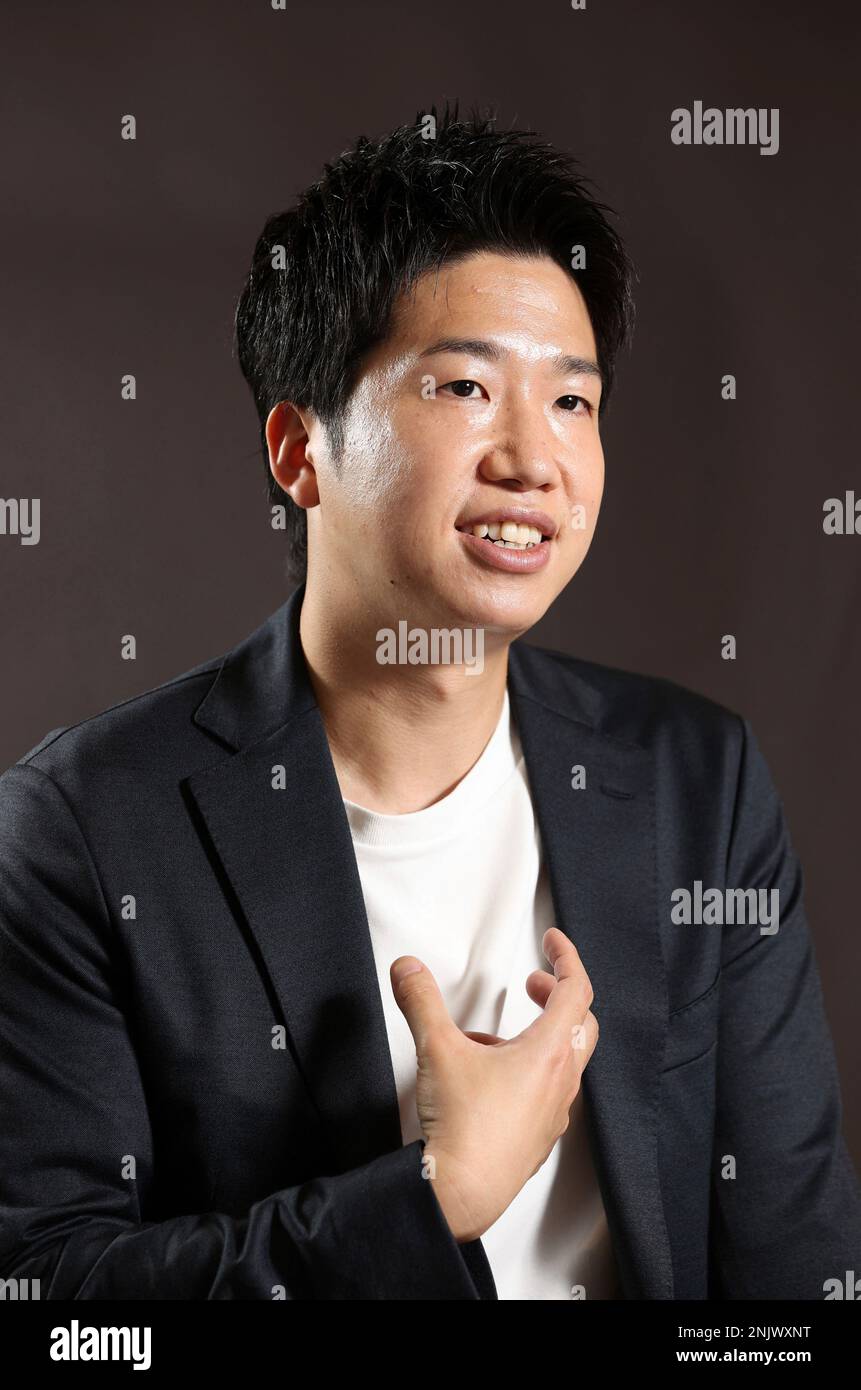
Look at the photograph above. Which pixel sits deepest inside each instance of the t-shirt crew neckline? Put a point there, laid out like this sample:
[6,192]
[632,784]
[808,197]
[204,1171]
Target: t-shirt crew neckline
[447,817]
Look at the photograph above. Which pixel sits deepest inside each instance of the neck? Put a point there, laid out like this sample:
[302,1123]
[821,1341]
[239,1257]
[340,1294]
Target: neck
[401,736]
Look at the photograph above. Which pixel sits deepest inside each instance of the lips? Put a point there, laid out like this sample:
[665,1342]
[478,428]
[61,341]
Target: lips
[507,558]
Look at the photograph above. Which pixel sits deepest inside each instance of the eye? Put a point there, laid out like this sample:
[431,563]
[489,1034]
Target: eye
[461,395]
[572,409]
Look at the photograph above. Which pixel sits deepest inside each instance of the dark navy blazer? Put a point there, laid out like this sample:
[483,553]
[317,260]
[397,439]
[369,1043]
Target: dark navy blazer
[168,912]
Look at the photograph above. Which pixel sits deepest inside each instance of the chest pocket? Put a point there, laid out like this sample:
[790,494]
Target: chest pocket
[692,1030]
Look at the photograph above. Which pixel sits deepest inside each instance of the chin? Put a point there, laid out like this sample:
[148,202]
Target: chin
[507,609]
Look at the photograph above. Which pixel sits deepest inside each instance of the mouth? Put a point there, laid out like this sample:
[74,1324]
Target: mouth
[514,527]
[517,541]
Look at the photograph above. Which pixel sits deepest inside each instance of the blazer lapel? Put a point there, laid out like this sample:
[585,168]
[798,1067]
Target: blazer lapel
[599,846]
[286,849]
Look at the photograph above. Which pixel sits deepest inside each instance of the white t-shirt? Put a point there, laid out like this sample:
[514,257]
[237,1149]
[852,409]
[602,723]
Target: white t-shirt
[462,885]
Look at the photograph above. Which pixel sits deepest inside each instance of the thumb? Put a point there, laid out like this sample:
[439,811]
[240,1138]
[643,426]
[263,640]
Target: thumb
[418,997]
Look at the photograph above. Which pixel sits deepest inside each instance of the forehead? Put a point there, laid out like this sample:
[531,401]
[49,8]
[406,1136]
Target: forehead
[527,299]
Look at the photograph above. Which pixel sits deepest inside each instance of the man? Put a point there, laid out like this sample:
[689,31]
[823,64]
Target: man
[300,950]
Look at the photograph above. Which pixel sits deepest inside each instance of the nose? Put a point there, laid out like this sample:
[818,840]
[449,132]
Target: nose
[524,452]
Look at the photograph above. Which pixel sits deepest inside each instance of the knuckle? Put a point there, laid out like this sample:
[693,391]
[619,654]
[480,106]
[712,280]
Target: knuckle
[579,992]
[587,994]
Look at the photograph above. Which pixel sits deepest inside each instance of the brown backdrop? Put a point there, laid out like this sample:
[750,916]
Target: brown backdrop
[126,257]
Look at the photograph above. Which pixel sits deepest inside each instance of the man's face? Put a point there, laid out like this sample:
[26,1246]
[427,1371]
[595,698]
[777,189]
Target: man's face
[467,412]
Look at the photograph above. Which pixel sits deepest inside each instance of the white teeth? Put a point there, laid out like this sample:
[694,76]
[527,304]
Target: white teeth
[508,533]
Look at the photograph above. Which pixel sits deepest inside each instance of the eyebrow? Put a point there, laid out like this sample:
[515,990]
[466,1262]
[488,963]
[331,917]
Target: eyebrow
[563,364]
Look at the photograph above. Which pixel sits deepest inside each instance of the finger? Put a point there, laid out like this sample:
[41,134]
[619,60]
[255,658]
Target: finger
[539,986]
[489,1039]
[418,997]
[571,996]
[561,952]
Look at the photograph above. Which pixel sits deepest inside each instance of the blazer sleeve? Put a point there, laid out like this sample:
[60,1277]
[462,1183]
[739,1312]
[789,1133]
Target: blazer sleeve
[789,1219]
[74,1111]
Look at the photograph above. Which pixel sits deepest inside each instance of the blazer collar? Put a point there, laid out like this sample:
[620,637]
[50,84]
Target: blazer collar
[301,897]
[262,684]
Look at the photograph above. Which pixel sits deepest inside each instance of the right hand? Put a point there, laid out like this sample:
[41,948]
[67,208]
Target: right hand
[492,1110]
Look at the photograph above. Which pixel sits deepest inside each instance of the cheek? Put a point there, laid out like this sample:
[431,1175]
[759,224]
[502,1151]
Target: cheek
[585,491]
[370,467]
[393,455]
[385,502]
[596,490]
[593,464]
[417,475]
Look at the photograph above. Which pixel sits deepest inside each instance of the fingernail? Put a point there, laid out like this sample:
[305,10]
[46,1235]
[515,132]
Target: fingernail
[406,967]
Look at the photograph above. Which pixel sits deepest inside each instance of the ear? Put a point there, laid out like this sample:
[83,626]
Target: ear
[289,454]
